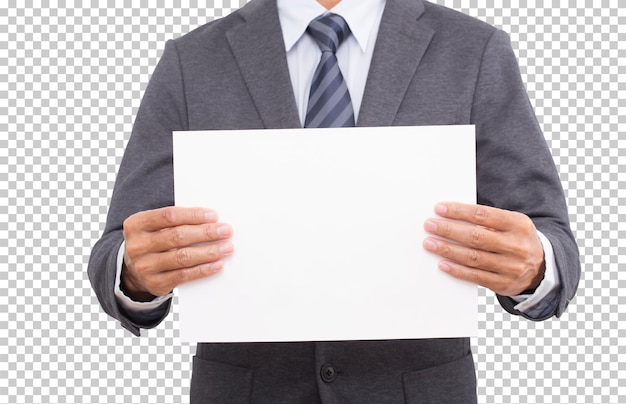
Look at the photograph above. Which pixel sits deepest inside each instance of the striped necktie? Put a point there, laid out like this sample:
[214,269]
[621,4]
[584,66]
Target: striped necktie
[329,100]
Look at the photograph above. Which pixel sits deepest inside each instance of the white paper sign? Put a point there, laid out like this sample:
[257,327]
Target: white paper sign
[328,232]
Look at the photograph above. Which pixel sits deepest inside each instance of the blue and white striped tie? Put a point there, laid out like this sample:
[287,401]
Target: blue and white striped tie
[329,100]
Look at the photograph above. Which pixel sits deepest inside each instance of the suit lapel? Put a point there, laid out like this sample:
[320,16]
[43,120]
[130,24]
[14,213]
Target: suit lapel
[400,45]
[258,47]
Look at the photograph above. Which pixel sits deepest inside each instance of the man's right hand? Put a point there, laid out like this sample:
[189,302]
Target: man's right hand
[162,249]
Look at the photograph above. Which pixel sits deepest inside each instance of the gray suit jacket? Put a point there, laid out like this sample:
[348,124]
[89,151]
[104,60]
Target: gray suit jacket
[431,66]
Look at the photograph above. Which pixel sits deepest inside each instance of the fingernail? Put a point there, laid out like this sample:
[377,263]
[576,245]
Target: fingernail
[430,245]
[430,226]
[444,266]
[210,216]
[226,248]
[441,209]
[224,230]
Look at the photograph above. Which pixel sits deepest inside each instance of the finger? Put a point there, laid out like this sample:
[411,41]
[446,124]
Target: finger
[172,216]
[188,257]
[475,236]
[187,235]
[486,216]
[486,279]
[180,276]
[466,256]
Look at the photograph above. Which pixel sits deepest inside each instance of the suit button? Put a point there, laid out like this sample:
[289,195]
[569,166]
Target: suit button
[328,373]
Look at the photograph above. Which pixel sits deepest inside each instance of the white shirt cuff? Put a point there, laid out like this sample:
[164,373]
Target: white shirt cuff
[131,306]
[549,283]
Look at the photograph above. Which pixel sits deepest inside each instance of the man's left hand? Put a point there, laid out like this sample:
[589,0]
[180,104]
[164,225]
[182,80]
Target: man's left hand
[494,248]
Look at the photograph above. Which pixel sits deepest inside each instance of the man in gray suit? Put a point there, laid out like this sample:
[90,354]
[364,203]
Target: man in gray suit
[427,66]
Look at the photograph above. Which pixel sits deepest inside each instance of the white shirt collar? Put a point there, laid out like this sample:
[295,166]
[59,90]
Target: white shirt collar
[295,16]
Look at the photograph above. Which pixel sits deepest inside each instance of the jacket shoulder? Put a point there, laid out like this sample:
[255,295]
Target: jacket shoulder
[453,23]
[209,32]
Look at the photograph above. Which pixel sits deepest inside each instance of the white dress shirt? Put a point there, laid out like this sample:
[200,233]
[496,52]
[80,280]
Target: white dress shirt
[354,57]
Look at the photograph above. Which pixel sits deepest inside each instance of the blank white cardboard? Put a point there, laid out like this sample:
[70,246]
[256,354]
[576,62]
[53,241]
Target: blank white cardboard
[328,231]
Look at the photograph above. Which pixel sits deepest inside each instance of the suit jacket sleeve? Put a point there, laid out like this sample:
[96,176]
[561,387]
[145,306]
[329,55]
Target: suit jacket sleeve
[515,169]
[144,180]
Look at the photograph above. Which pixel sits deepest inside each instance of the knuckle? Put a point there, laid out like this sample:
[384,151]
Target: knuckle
[177,237]
[524,219]
[474,258]
[526,225]
[481,214]
[521,250]
[130,226]
[477,237]
[518,250]
[210,232]
[168,215]
[446,229]
[127,225]
[455,210]
[141,268]
[445,250]
[132,249]
[519,271]
[138,246]
[213,252]
[202,271]
[191,274]
[184,276]
[198,272]
[527,269]
[183,258]
[197,215]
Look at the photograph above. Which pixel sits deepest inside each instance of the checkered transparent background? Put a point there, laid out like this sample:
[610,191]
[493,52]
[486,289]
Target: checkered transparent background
[71,78]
